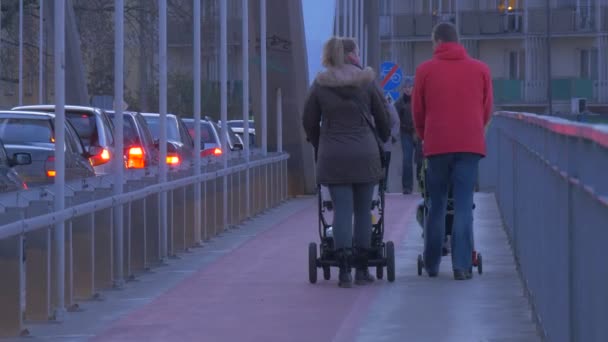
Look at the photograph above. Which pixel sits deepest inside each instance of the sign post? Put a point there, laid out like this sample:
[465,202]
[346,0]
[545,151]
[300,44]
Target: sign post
[390,79]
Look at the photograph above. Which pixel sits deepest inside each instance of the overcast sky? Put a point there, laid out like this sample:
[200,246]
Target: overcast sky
[318,25]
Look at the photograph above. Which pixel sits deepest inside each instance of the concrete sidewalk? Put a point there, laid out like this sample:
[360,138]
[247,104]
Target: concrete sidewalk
[250,284]
[490,307]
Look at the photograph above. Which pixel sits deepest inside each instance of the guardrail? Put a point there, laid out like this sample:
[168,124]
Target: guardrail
[27,222]
[551,183]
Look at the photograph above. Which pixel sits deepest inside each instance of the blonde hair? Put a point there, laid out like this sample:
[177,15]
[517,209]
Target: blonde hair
[335,51]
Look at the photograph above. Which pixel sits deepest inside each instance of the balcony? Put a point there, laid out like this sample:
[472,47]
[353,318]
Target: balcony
[564,20]
[563,89]
[475,23]
[507,91]
[408,25]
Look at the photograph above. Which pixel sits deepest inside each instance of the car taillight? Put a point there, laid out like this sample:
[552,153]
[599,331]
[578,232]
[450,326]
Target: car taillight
[135,158]
[173,159]
[49,167]
[101,158]
[211,151]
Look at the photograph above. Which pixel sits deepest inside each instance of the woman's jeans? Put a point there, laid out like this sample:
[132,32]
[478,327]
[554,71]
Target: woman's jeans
[407,177]
[459,169]
[349,199]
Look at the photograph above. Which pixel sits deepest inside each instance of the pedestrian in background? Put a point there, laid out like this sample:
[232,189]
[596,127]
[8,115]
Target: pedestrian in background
[407,132]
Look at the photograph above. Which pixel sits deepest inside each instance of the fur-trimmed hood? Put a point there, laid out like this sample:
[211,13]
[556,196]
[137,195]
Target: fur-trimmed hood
[345,75]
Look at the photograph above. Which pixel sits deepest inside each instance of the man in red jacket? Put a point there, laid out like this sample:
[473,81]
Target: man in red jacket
[452,103]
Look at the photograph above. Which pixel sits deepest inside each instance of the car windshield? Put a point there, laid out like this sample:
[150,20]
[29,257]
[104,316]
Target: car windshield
[154,125]
[207,135]
[86,127]
[232,138]
[130,136]
[25,130]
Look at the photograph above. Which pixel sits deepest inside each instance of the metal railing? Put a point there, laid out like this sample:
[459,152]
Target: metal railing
[27,224]
[550,180]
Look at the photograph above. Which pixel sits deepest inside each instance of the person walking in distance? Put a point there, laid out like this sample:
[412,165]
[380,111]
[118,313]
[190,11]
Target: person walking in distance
[452,103]
[388,146]
[341,104]
[407,132]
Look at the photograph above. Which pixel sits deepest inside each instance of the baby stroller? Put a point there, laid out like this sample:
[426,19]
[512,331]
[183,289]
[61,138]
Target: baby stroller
[421,217]
[381,254]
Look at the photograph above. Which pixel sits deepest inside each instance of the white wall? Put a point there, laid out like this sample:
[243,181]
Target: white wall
[495,54]
[423,51]
[565,56]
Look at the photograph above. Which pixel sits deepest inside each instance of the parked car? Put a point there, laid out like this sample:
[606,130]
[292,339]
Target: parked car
[181,148]
[139,148]
[94,128]
[34,133]
[238,126]
[211,144]
[9,178]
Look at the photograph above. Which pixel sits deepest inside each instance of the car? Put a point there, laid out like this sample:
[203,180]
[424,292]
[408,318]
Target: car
[94,128]
[140,150]
[10,180]
[238,128]
[180,150]
[34,133]
[211,144]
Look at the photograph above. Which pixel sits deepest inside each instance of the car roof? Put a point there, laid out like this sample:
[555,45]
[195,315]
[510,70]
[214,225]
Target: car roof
[157,114]
[26,113]
[52,107]
[192,120]
[111,112]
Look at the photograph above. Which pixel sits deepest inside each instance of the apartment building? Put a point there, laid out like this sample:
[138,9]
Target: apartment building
[511,36]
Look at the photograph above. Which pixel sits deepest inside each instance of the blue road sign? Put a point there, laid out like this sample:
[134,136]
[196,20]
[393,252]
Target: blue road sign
[394,95]
[390,76]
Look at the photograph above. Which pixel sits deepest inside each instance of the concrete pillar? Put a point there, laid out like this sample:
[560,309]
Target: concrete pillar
[372,19]
[288,70]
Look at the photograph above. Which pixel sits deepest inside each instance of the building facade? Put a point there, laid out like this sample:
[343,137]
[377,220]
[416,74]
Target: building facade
[513,38]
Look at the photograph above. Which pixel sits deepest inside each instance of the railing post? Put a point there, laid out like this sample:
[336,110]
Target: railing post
[162,54]
[118,161]
[197,118]
[60,155]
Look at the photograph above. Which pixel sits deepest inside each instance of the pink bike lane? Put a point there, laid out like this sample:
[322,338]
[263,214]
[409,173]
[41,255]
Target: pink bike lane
[260,292]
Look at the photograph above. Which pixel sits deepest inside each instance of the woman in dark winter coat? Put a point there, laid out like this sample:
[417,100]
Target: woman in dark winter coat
[340,103]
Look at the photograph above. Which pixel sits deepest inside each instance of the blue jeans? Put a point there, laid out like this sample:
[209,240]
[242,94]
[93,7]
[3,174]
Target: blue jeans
[349,199]
[459,170]
[407,177]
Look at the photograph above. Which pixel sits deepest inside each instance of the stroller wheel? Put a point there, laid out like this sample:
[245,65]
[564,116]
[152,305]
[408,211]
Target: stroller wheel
[479,264]
[420,264]
[326,272]
[390,261]
[379,272]
[312,262]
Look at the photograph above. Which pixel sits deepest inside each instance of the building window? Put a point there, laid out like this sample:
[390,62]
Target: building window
[516,65]
[509,5]
[588,62]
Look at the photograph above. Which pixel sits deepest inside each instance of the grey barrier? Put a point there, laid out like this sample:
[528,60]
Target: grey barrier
[551,183]
[27,223]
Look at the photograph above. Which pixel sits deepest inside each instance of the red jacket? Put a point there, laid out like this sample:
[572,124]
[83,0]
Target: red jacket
[452,102]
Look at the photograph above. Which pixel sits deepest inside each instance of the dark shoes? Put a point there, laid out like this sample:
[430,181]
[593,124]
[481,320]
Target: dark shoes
[362,277]
[407,192]
[344,257]
[345,279]
[463,275]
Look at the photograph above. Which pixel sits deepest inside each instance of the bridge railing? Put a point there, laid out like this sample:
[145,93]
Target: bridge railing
[29,272]
[550,177]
